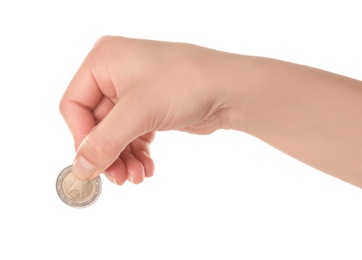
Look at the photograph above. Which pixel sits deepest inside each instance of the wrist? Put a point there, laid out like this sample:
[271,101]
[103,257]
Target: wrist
[239,81]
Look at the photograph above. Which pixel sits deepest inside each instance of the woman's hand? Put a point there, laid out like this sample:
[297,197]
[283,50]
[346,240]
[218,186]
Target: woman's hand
[127,89]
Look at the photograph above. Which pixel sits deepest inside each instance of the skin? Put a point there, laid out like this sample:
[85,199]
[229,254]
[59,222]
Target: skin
[127,89]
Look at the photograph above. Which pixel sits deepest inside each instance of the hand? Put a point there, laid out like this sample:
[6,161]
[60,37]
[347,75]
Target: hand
[127,89]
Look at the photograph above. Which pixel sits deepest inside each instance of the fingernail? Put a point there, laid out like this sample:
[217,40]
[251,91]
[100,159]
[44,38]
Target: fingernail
[111,178]
[82,168]
[130,178]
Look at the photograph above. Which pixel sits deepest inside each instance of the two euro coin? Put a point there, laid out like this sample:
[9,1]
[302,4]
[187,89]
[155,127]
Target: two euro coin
[77,193]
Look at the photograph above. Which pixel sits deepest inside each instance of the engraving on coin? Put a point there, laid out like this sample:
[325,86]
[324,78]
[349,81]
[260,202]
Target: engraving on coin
[77,193]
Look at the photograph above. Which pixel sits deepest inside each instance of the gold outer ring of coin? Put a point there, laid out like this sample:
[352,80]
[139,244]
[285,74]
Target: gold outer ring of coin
[76,193]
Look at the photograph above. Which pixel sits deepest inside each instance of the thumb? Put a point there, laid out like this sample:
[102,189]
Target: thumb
[104,143]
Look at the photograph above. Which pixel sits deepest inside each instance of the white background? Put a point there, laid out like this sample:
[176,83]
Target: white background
[222,196]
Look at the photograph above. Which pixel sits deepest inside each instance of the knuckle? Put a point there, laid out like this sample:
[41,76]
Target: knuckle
[106,44]
[104,51]
[102,40]
[63,105]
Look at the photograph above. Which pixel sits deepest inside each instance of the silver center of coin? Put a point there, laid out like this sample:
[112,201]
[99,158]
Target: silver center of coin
[77,193]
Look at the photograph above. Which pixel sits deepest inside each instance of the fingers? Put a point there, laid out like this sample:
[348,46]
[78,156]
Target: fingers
[134,162]
[135,169]
[103,123]
[104,106]
[103,145]
[130,167]
[141,151]
[117,172]
[80,99]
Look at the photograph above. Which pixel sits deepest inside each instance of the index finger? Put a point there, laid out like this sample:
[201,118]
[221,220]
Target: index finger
[78,102]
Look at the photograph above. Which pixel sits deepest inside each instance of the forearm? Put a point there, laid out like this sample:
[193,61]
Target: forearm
[310,114]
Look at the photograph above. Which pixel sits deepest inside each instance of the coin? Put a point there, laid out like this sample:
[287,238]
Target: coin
[77,193]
